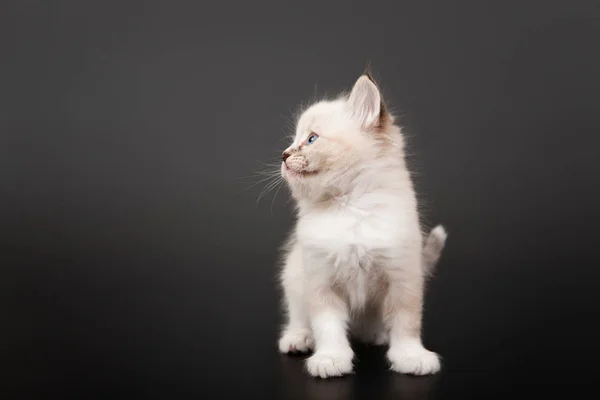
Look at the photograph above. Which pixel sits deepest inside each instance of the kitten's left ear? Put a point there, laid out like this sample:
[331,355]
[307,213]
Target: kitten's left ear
[365,103]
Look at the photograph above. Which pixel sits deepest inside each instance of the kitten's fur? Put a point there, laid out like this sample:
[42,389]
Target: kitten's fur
[356,263]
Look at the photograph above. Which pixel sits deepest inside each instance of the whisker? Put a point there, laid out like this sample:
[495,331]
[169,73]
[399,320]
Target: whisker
[259,174]
[265,179]
[275,196]
[268,187]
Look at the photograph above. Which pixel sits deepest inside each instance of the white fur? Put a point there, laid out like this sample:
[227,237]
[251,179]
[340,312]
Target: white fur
[355,263]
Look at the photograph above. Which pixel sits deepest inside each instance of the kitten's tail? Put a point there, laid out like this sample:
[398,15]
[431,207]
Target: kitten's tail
[432,250]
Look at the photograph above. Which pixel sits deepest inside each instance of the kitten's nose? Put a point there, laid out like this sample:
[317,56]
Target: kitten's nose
[285,155]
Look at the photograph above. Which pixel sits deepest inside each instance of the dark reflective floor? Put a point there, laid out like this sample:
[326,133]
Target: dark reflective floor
[166,328]
[136,262]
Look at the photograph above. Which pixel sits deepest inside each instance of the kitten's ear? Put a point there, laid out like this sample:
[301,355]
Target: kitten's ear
[365,102]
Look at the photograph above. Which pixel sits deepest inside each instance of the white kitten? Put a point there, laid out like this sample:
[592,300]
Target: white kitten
[355,263]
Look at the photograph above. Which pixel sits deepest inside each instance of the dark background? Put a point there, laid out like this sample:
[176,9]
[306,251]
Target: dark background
[136,262]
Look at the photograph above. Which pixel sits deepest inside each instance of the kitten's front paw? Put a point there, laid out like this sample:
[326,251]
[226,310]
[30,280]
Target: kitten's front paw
[414,360]
[329,364]
[296,341]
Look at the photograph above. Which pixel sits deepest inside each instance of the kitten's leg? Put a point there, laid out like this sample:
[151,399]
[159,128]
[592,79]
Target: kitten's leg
[329,319]
[296,336]
[403,315]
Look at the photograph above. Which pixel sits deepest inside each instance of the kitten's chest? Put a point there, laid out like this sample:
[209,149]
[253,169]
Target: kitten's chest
[350,235]
[348,247]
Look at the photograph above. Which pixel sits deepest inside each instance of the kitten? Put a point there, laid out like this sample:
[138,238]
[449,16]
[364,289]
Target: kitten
[356,262]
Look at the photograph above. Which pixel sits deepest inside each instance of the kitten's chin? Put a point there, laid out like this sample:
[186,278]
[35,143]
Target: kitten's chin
[289,173]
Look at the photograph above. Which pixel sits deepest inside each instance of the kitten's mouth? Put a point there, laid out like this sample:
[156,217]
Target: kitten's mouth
[299,174]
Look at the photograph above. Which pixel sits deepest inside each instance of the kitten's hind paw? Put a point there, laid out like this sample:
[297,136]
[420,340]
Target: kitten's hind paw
[381,339]
[296,341]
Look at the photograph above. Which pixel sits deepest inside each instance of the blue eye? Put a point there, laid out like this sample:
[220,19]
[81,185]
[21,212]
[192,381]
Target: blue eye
[311,139]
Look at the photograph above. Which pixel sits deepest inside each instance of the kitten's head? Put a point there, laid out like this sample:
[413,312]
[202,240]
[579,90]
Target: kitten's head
[336,140]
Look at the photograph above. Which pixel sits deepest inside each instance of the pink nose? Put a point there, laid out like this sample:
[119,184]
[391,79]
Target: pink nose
[285,155]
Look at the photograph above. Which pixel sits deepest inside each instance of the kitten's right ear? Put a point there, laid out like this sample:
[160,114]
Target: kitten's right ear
[365,102]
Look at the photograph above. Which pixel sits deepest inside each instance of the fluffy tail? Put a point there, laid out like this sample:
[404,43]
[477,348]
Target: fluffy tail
[432,250]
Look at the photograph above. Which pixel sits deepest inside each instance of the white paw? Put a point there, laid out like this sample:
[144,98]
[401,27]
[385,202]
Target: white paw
[296,341]
[326,364]
[381,339]
[414,360]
